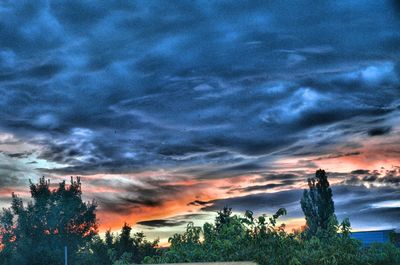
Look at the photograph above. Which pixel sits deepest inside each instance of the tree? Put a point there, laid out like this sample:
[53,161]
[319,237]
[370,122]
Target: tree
[223,218]
[125,242]
[260,239]
[37,233]
[318,207]
[231,238]
[127,249]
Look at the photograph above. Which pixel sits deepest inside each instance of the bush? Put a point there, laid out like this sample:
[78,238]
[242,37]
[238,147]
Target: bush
[235,238]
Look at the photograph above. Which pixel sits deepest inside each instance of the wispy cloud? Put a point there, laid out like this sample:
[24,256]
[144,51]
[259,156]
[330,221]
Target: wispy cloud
[224,99]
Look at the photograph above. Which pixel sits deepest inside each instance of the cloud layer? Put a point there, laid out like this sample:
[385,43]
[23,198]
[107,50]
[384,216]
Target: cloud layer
[204,101]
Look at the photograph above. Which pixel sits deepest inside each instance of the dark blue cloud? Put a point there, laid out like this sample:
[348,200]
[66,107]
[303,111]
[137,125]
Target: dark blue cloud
[173,221]
[208,89]
[379,131]
[161,223]
[360,203]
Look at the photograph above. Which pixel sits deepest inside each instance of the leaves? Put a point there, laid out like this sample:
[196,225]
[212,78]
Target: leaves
[40,230]
[36,234]
[318,206]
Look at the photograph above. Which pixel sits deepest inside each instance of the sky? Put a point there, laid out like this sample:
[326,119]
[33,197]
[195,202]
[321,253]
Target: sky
[171,110]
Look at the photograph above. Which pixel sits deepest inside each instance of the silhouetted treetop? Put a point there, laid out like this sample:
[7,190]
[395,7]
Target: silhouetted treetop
[37,233]
[318,206]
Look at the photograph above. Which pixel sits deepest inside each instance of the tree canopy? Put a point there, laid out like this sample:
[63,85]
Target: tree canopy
[37,233]
[318,206]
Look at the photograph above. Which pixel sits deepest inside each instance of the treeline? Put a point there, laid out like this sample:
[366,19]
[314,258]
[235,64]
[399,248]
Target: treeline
[36,233]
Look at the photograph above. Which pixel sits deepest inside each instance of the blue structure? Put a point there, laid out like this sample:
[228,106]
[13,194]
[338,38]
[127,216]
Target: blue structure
[380,236]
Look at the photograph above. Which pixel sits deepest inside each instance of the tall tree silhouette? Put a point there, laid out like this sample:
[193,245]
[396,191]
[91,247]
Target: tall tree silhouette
[125,241]
[127,249]
[223,218]
[318,206]
[37,233]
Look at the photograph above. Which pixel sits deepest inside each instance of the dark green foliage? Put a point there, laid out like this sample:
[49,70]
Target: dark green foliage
[37,233]
[124,242]
[258,239]
[95,253]
[127,249]
[382,254]
[223,218]
[318,207]
[232,238]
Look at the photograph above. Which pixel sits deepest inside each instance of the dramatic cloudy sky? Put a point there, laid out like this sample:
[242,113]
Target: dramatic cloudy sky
[170,110]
